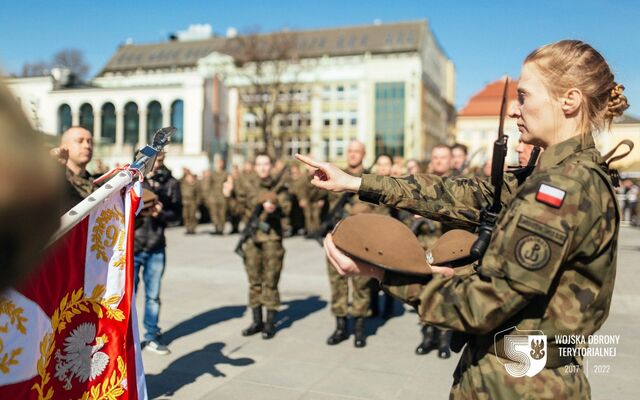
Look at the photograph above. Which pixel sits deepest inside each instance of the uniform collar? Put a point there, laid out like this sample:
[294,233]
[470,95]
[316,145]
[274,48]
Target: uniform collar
[554,155]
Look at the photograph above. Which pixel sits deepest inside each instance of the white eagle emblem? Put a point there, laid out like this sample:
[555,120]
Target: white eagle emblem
[80,358]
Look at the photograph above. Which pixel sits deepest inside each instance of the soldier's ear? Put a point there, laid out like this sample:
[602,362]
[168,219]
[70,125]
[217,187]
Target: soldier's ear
[571,101]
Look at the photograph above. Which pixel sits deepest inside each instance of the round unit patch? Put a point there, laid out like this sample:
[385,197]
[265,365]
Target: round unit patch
[533,252]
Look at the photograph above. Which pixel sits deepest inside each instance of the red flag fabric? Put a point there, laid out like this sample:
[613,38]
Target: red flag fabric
[70,332]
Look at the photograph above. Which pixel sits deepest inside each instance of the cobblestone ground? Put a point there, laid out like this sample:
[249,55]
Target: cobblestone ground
[203,312]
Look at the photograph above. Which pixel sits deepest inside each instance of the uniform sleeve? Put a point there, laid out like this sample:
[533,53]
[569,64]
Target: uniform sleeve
[455,201]
[534,239]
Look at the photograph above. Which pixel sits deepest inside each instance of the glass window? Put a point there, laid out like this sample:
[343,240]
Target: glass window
[340,121]
[131,123]
[389,118]
[108,123]
[177,120]
[326,122]
[64,118]
[86,117]
[354,121]
[154,119]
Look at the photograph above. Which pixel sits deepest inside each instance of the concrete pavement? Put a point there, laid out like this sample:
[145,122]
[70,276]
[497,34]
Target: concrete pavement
[203,311]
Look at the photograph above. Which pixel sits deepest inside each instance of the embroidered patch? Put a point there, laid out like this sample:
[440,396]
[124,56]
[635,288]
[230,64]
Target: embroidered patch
[550,195]
[533,226]
[533,252]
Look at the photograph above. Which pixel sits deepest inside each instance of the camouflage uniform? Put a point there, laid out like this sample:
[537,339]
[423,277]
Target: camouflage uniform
[216,202]
[547,268]
[190,198]
[340,284]
[312,196]
[264,252]
[78,188]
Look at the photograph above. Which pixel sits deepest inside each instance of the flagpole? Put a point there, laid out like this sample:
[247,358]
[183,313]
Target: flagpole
[141,166]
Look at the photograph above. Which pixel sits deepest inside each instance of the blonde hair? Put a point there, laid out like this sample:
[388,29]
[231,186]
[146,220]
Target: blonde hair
[574,64]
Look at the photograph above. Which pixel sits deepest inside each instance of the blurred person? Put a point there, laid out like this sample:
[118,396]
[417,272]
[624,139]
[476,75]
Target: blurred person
[216,202]
[524,153]
[360,289]
[190,191]
[413,167]
[75,152]
[167,188]
[32,193]
[459,153]
[149,260]
[264,253]
[631,191]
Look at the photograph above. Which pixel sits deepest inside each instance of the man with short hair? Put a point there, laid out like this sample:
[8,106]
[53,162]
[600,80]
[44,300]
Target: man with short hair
[340,284]
[75,152]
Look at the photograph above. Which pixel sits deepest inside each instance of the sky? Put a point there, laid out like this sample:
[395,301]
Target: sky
[485,39]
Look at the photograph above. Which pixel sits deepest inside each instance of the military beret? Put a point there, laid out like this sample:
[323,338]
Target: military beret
[452,249]
[268,196]
[382,241]
[149,198]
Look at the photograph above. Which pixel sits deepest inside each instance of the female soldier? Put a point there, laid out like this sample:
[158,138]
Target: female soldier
[550,266]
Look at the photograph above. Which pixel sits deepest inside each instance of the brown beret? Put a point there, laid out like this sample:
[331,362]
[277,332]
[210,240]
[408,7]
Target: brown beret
[452,249]
[149,198]
[268,196]
[382,241]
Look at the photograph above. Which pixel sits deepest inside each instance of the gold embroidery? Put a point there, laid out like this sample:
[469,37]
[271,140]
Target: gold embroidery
[15,319]
[106,234]
[109,389]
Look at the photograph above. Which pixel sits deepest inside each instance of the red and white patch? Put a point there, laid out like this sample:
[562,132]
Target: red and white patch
[550,195]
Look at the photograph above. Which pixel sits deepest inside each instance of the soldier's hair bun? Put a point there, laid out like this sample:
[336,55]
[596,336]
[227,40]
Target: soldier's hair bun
[617,102]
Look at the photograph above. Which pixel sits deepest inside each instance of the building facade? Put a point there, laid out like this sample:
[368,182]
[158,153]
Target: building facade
[388,85]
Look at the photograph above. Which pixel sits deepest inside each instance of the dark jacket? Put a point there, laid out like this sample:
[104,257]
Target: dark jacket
[149,234]
[162,183]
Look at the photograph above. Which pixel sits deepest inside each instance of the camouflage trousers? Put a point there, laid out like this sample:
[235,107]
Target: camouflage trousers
[189,215]
[312,218]
[263,264]
[218,214]
[340,294]
[480,376]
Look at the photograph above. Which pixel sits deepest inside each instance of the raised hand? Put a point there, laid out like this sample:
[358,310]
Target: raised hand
[330,177]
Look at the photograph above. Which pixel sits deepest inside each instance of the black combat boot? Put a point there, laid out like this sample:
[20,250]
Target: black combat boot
[428,340]
[358,330]
[269,330]
[257,325]
[387,311]
[373,303]
[340,334]
[444,344]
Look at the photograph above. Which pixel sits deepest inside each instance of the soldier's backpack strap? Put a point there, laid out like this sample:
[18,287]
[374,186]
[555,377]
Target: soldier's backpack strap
[608,159]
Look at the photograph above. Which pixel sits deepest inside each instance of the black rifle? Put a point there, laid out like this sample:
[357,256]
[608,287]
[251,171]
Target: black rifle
[489,215]
[254,223]
[333,217]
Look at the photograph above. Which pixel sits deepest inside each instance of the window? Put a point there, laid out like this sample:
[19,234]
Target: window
[131,123]
[154,119]
[326,122]
[86,117]
[389,118]
[354,121]
[177,120]
[64,118]
[108,123]
[340,121]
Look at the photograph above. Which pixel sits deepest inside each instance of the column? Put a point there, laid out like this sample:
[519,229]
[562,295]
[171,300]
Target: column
[142,128]
[119,129]
[166,115]
[75,118]
[97,126]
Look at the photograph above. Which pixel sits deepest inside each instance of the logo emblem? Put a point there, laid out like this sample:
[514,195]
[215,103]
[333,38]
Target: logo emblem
[533,252]
[526,350]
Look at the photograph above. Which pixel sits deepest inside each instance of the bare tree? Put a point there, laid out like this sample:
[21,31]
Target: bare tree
[38,68]
[263,61]
[73,59]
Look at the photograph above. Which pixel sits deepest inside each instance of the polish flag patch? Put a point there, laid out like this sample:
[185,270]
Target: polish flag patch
[550,195]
